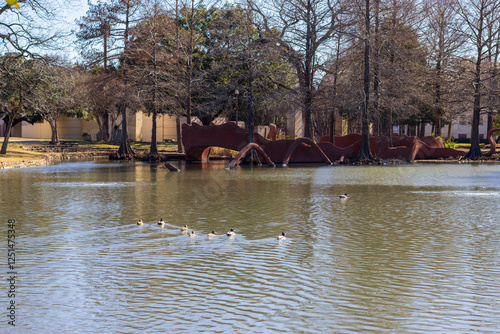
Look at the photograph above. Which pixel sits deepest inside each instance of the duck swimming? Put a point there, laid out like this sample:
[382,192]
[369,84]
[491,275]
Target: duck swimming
[231,233]
[344,196]
[211,235]
[140,222]
[282,236]
[161,222]
[192,234]
[185,228]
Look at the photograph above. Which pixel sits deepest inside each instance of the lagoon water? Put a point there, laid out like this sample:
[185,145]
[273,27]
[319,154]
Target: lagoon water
[414,249]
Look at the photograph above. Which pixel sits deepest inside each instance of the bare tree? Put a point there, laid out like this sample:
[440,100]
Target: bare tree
[128,9]
[478,16]
[57,92]
[192,17]
[155,71]
[364,151]
[305,27]
[14,84]
[24,31]
[97,39]
[97,34]
[492,91]
[443,40]
[101,101]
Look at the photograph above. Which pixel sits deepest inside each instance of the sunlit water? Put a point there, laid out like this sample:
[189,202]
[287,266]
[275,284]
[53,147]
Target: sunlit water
[414,249]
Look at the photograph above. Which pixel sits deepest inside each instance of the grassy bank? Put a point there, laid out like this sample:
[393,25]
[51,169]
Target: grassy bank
[18,157]
[15,152]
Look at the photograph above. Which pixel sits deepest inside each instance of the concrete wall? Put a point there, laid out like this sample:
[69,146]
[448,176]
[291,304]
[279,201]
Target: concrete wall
[294,124]
[165,128]
[37,130]
[67,128]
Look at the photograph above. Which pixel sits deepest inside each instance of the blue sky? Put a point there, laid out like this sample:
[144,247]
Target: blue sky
[73,10]
[44,18]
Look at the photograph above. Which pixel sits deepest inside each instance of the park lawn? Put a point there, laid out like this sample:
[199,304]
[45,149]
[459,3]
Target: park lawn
[16,153]
[136,145]
[170,147]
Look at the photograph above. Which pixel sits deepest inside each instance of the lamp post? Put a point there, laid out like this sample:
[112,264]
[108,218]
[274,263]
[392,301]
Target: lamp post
[236,92]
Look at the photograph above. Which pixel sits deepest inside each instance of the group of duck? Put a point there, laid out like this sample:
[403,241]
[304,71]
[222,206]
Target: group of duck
[185,228]
[230,233]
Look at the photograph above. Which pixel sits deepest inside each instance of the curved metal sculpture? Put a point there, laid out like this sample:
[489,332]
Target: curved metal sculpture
[306,141]
[247,148]
[493,144]
[171,167]
[198,139]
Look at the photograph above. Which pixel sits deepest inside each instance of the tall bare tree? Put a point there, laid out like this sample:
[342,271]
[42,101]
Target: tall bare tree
[444,41]
[364,151]
[24,30]
[97,42]
[492,89]
[128,9]
[478,16]
[97,36]
[305,27]
[154,69]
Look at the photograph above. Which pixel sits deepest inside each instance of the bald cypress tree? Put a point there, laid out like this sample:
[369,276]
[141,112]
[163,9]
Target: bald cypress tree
[364,151]
[479,16]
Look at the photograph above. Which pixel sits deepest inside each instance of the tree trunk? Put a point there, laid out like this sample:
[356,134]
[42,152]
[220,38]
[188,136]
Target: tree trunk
[153,150]
[251,126]
[179,134]
[437,98]
[251,157]
[105,55]
[332,126]
[7,134]
[103,128]
[475,150]
[105,131]
[125,150]
[111,120]
[308,76]
[190,66]
[376,78]
[388,125]
[55,137]
[335,78]
[364,151]
[422,129]
[490,122]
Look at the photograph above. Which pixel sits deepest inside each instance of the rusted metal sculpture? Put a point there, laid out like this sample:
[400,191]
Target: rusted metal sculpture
[493,144]
[198,139]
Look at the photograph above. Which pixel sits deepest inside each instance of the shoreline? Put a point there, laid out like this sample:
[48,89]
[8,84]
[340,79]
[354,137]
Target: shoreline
[49,159]
[55,154]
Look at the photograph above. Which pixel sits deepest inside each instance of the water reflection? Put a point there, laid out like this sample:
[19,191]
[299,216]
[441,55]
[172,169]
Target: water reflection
[414,249]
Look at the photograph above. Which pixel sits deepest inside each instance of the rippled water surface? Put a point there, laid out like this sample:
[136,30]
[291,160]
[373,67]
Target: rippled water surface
[414,249]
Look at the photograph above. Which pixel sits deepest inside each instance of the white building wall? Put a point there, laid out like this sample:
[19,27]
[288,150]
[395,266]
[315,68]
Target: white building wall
[461,130]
